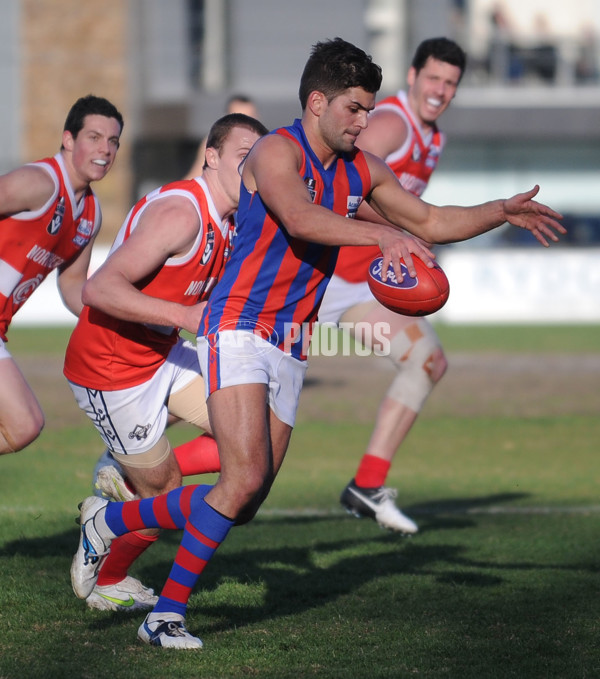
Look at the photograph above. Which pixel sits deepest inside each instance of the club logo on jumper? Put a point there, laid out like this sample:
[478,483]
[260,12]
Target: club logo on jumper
[416,154]
[311,185]
[85,228]
[24,289]
[432,157]
[140,432]
[407,281]
[210,244]
[352,204]
[56,222]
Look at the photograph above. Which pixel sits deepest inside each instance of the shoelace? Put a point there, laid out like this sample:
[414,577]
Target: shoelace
[176,629]
[171,628]
[385,493]
[129,584]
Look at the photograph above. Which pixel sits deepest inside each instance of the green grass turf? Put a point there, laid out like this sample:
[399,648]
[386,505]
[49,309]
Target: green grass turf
[501,581]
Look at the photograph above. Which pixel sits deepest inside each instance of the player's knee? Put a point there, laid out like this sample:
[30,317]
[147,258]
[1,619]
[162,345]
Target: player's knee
[421,363]
[150,485]
[245,490]
[255,500]
[154,471]
[251,489]
[13,439]
[438,365]
[246,514]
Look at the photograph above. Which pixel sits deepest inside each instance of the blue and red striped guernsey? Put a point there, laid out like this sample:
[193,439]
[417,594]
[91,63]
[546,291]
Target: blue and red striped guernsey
[273,283]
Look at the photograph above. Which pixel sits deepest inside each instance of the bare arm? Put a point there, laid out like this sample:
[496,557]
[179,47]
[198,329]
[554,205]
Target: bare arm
[450,224]
[415,245]
[27,188]
[167,228]
[72,278]
[386,132]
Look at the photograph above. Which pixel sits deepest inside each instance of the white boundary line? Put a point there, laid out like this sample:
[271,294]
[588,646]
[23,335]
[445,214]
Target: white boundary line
[319,513]
[309,513]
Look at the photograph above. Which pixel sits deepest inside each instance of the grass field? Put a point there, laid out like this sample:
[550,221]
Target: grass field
[501,472]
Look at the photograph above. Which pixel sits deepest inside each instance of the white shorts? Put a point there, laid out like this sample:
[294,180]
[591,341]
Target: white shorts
[131,421]
[341,296]
[237,357]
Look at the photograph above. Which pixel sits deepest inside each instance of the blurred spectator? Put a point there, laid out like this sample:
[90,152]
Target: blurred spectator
[504,61]
[586,66]
[512,59]
[542,57]
[237,103]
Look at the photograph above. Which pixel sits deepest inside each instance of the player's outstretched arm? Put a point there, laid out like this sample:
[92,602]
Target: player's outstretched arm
[452,223]
[449,224]
[541,220]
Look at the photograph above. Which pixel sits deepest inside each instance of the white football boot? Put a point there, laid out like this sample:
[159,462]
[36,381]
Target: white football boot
[127,595]
[167,630]
[378,504]
[94,545]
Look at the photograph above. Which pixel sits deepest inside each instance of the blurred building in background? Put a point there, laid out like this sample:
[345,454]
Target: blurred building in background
[527,111]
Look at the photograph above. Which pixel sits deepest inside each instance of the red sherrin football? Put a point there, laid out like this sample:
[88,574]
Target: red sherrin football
[419,296]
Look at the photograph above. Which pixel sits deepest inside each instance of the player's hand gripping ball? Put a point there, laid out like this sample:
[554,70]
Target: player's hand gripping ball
[419,296]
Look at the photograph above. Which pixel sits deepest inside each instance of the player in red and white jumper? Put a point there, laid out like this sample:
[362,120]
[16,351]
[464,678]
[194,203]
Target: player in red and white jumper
[402,131]
[49,218]
[130,370]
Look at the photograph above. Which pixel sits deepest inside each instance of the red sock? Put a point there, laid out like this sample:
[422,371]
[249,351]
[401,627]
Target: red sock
[372,471]
[198,456]
[124,550]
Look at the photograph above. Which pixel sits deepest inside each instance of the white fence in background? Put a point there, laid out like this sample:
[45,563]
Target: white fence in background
[530,285]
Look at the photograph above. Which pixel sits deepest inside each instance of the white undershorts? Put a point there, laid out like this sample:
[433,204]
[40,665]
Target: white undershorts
[132,420]
[341,296]
[240,357]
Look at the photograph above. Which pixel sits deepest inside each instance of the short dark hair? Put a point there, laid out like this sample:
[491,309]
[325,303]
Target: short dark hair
[336,65]
[442,49]
[86,106]
[223,126]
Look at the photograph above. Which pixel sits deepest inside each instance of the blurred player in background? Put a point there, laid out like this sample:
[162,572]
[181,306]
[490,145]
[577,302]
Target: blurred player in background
[49,218]
[301,187]
[402,131]
[237,103]
[130,370]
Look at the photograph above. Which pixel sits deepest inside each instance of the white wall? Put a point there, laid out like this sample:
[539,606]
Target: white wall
[529,285]
[532,285]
